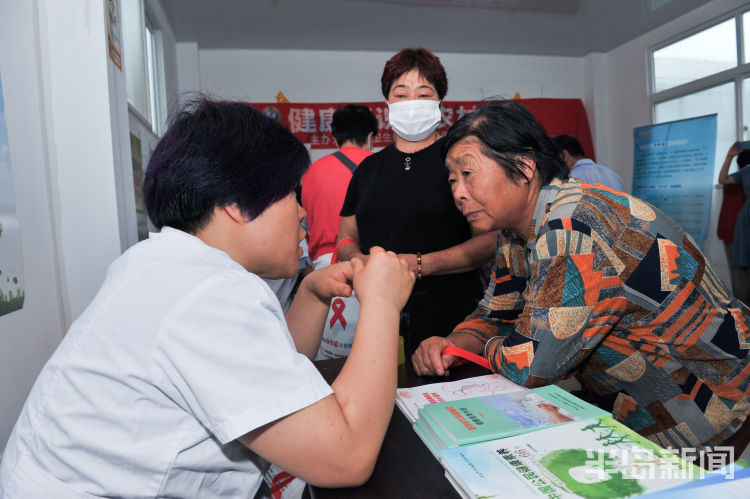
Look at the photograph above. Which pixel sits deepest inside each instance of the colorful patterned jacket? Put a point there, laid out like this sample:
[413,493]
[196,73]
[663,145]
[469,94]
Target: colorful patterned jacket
[612,289]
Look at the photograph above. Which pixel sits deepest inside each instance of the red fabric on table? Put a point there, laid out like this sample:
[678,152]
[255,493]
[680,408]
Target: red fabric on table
[466,355]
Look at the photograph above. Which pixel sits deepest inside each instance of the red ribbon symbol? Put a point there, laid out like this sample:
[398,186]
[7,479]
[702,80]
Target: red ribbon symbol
[338,307]
[279,482]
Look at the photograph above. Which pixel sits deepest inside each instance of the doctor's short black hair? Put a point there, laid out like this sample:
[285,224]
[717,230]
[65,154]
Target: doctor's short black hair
[218,153]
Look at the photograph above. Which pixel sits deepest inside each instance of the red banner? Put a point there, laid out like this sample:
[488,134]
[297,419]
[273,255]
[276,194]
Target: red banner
[311,122]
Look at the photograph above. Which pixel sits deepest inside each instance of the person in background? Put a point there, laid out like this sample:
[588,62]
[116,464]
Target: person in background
[732,199]
[183,371]
[592,281]
[583,168]
[399,199]
[324,185]
[741,240]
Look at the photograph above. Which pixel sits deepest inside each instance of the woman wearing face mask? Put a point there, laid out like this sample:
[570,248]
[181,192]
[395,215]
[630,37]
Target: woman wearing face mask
[399,198]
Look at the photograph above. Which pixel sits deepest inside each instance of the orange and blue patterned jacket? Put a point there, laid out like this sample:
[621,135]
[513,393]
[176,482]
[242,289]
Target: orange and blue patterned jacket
[610,288]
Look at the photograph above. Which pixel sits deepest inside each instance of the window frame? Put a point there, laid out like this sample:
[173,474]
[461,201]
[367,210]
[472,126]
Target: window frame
[155,72]
[735,75]
[145,76]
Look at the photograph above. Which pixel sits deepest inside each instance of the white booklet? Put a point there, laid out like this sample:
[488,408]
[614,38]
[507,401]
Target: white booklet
[410,400]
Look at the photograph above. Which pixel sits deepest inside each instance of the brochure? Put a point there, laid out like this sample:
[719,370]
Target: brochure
[410,400]
[467,421]
[594,458]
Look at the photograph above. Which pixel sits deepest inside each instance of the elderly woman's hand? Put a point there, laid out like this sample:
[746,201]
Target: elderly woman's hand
[428,359]
[411,261]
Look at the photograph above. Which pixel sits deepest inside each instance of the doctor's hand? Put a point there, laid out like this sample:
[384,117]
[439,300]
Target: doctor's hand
[331,281]
[384,279]
[428,359]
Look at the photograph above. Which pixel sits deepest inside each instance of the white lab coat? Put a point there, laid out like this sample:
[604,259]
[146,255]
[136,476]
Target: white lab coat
[181,351]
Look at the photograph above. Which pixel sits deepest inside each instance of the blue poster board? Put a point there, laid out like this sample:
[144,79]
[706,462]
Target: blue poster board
[11,255]
[673,169]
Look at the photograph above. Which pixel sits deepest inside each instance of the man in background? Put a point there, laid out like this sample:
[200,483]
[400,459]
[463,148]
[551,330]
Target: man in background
[324,185]
[583,168]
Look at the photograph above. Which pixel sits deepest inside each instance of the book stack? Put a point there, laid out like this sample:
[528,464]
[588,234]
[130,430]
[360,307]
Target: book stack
[495,438]
[597,458]
[446,425]
[411,400]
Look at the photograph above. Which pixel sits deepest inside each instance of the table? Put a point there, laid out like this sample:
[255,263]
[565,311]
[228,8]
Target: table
[405,467]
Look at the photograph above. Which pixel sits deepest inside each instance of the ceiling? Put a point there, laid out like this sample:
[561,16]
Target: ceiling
[544,27]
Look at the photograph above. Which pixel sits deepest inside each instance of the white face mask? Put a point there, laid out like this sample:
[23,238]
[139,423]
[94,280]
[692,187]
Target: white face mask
[414,120]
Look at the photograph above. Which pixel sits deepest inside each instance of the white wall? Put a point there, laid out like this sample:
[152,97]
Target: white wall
[188,68]
[56,85]
[79,136]
[595,69]
[123,177]
[351,76]
[354,76]
[27,336]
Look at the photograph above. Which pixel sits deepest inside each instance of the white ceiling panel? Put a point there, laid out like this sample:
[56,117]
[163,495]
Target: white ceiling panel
[545,27]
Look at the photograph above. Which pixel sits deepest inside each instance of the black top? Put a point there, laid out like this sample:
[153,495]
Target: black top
[403,203]
[405,210]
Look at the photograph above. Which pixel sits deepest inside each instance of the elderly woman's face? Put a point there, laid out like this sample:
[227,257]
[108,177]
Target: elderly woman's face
[485,194]
[412,86]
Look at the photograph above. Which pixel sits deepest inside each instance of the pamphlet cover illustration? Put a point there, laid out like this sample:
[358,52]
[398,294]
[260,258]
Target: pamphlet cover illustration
[410,400]
[497,416]
[595,459]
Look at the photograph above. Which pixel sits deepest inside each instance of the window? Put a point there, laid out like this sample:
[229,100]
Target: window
[704,73]
[702,54]
[720,100]
[143,63]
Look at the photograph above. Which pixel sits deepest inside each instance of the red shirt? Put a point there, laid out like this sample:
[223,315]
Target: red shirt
[323,191]
[731,204]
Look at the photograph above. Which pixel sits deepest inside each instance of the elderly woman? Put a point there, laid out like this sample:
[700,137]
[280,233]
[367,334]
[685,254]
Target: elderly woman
[399,199]
[593,281]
